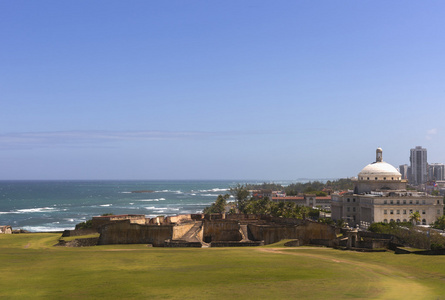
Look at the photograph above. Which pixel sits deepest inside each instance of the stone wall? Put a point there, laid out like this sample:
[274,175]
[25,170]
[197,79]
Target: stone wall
[102,220]
[173,244]
[273,233]
[87,242]
[177,219]
[180,229]
[78,232]
[221,230]
[373,244]
[125,232]
[304,233]
[236,244]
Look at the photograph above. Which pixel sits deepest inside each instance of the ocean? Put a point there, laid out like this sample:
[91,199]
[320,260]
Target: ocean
[39,206]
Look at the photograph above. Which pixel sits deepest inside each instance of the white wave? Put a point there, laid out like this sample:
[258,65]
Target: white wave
[150,207]
[152,200]
[125,192]
[210,195]
[39,209]
[45,228]
[105,205]
[169,191]
[199,204]
[213,190]
[131,203]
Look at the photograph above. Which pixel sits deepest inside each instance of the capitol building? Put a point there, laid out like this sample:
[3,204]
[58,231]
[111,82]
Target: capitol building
[380,195]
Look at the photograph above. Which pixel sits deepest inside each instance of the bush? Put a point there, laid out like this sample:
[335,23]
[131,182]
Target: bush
[85,225]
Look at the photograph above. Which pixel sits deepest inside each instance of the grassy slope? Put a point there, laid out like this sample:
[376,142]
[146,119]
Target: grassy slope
[30,267]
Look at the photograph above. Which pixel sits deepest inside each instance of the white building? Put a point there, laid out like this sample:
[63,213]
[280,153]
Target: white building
[380,195]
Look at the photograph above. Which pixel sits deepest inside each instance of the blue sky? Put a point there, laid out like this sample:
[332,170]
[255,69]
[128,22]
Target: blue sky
[266,90]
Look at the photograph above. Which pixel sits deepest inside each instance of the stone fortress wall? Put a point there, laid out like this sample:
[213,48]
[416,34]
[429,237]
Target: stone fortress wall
[236,230]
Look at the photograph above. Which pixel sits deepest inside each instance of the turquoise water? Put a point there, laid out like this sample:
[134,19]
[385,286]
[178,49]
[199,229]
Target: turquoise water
[59,205]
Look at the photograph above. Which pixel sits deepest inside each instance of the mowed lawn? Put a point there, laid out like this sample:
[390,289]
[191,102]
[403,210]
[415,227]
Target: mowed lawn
[30,267]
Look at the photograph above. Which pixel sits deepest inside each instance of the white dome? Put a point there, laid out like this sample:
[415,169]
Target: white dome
[381,169]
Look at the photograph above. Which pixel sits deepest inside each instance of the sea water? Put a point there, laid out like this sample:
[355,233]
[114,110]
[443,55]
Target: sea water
[58,205]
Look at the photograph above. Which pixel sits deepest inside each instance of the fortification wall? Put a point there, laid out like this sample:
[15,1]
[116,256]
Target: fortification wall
[87,242]
[272,233]
[180,229]
[241,217]
[221,230]
[304,233]
[314,230]
[125,232]
[78,232]
[236,244]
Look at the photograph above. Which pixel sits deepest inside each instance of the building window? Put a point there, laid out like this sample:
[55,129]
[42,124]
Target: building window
[423,222]
[353,209]
[349,200]
[385,202]
[398,220]
[398,201]
[404,201]
[392,220]
[404,220]
[385,221]
[438,201]
[384,178]
[423,212]
[385,211]
[368,178]
[410,211]
[410,201]
[391,202]
[392,178]
[417,201]
[391,212]
[376,178]
[353,199]
[404,211]
[423,201]
[438,211]
[398,212]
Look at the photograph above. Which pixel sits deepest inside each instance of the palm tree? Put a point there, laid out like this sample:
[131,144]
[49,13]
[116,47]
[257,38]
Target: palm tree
[415,217]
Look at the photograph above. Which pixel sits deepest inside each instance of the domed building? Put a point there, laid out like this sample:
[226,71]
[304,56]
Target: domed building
[378,176]
[380,195]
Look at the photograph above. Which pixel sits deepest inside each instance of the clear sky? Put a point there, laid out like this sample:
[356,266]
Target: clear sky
[229,89]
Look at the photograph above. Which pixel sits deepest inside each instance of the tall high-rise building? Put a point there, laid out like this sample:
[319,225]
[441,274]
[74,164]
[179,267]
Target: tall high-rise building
[436,172]
[418,160]
[403,169]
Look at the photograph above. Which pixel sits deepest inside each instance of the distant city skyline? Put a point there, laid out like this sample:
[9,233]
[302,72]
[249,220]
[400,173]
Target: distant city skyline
[245,90]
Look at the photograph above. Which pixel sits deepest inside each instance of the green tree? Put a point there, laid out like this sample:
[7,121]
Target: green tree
[415,217]
[218,206]
[241,194]
[439,223]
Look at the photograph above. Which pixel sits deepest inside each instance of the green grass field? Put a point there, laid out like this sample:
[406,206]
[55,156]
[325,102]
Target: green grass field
[30,267]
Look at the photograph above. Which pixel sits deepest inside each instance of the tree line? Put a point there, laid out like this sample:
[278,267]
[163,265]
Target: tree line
[247,204]
[315,187]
